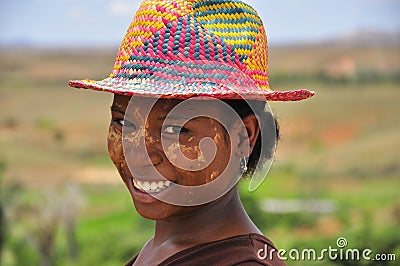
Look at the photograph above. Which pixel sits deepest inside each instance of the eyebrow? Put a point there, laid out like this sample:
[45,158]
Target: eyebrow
[177,118]
[171,117]
[115,108]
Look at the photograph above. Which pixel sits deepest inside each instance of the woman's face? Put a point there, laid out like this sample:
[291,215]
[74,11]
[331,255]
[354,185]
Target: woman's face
[143,131]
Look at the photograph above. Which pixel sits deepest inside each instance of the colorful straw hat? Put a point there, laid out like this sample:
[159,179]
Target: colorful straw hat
[185,48]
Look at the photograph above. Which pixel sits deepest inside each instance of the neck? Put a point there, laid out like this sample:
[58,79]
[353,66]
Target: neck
[219,219]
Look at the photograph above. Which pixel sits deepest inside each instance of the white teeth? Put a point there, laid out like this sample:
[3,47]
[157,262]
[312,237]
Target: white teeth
[146,186]
[151,186]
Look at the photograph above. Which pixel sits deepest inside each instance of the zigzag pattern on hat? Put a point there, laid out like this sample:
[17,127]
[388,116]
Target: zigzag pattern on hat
[165,33]
[151,16]
[235,22]
[257,61]
[182,40]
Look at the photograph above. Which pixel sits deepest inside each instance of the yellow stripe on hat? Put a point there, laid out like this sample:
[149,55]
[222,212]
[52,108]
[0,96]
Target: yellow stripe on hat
[246,33]
[242,15]
[228,5]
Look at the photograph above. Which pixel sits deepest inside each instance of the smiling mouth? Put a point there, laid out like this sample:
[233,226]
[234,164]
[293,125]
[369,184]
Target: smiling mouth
[151,187]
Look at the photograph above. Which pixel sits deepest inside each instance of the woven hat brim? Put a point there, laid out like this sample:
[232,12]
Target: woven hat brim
[173,90]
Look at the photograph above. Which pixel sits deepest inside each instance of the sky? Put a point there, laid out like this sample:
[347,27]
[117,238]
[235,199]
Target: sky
[102,23]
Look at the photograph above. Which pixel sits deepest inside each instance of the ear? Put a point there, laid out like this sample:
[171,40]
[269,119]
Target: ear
[247,135]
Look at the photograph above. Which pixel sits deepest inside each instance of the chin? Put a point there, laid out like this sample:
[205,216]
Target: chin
[157,211]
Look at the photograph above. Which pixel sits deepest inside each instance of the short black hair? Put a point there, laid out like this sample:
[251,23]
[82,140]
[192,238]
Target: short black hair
[265,119]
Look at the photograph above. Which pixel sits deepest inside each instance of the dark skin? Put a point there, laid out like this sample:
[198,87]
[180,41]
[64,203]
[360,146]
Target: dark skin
[180,227]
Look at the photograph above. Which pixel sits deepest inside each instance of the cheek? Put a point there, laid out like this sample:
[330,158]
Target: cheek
[222,157]
[114,141]
[135,138]
[191,152]
[213,169]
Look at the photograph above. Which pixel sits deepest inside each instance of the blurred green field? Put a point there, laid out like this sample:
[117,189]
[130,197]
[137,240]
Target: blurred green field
[64,201]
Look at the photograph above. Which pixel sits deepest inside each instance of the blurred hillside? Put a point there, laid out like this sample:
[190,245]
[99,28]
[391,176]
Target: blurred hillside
[341,146]
[362,57]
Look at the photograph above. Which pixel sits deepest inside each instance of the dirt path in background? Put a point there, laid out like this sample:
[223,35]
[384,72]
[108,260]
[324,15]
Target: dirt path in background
[38,177]
[96,175]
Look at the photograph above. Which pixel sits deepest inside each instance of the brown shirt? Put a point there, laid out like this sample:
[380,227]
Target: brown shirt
[238,250]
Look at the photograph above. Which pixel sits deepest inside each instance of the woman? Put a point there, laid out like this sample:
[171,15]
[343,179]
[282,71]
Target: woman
[190,87]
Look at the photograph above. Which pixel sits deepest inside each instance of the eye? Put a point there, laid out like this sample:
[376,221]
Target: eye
[173,129]
[124,123]
[121,122]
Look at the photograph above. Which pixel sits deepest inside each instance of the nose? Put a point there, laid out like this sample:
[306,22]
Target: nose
[142,154]
[155,158]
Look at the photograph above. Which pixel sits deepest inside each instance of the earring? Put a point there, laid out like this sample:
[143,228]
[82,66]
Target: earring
[243,164]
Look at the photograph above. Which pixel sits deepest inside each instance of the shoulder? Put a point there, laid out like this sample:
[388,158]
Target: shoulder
[238,250]
[251,249]
[265,251]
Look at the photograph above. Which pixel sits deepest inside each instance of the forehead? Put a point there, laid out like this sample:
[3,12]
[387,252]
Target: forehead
[123,102]
[170,107]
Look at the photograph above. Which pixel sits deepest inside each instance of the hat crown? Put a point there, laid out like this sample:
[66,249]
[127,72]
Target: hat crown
[169,32]
[186,48]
